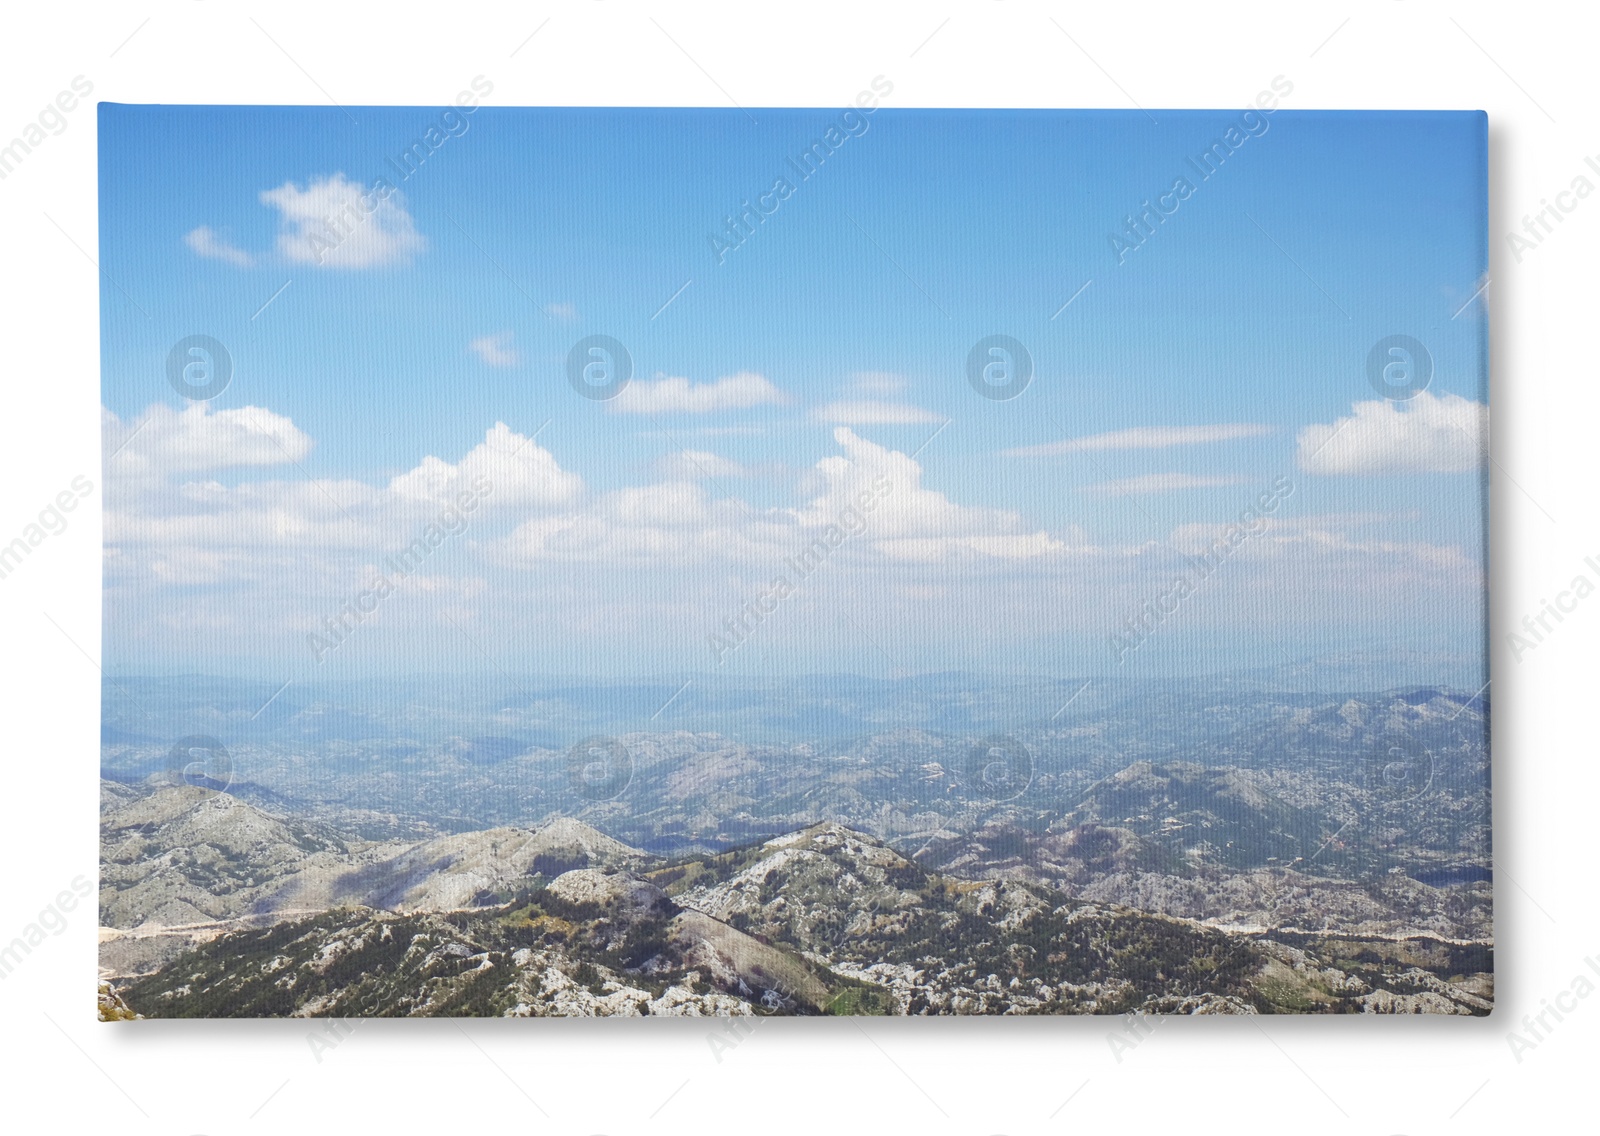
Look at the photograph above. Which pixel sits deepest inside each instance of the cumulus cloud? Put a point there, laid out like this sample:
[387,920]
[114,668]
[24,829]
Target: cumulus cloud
[519,471]
[870,412]
[317,520]
[271,551]
[910,521]
[1163,483]
[680,396]
[164,492]
[496,350]
[167,441]
[564,312]
[1424,434]
[1146,438]
[205,241]
[337,223]
[679,521]
[670,522]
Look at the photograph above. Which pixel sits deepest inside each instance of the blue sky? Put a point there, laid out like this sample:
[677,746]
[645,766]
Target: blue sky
[1185,377]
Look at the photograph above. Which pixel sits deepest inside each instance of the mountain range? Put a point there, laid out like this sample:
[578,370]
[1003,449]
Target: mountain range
[564,920]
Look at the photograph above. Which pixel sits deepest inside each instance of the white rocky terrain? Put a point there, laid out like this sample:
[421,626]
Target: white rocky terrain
[284,919]
[183,865]
[180,856]
[452,872]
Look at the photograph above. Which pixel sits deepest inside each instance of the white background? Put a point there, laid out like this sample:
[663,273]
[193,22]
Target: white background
[1530,66]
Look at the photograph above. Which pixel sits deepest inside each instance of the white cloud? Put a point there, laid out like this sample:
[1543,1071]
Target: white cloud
[519,471]
[319,521]
[1424,434]
[672,522]
[1162,483]
[679,396]
[564,312]
[337,223]
[1309,540]
[869,412]
[497,350]
[167,441]
[746,431]
[691,465]
[679,522]
[207,243]
[1146,438]
[930,550]
[163,494]
[191,559]
[909,521]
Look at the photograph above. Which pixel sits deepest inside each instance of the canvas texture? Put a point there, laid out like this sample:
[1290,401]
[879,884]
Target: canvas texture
[736,562]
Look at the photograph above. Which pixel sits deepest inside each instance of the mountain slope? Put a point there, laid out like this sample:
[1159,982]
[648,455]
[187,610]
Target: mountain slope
[821,920]
[469,869]
[184,855]
[592,942]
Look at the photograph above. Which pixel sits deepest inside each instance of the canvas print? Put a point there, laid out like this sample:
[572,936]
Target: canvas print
[834,561]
